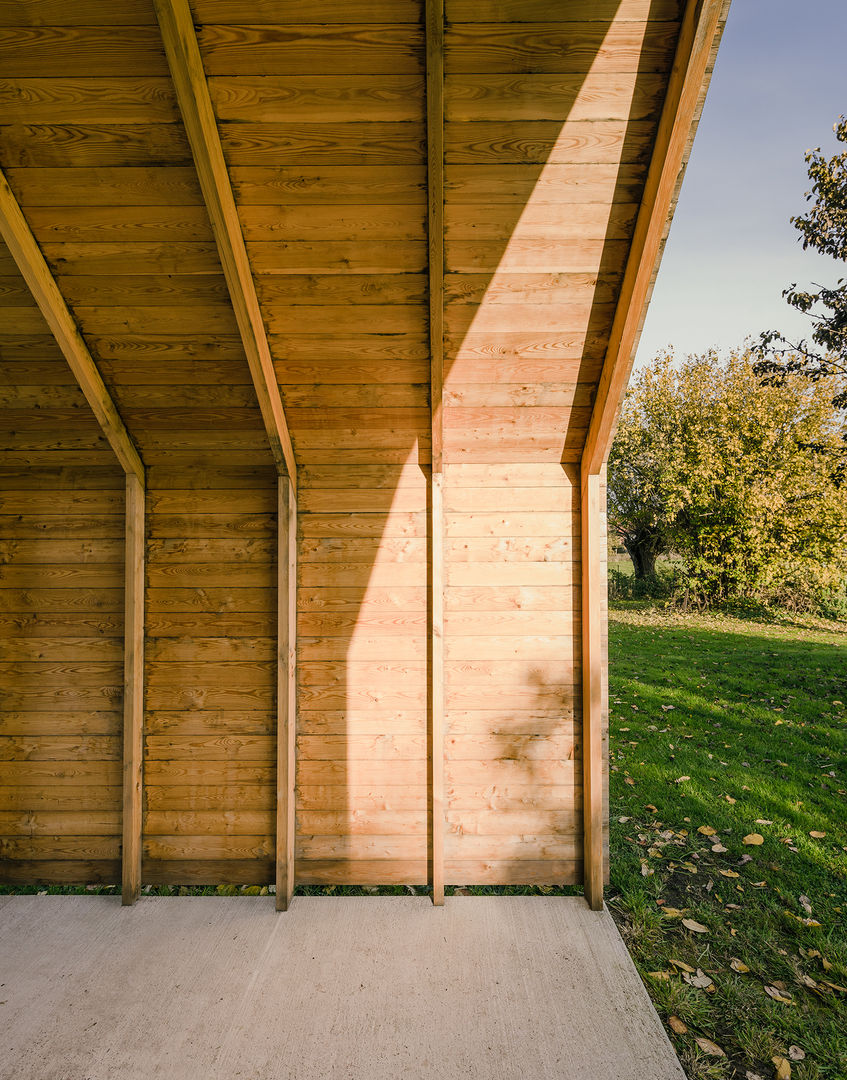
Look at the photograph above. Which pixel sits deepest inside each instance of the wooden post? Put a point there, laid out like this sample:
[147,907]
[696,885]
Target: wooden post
[436,741]
[286,691]
[592,689]
[133,689]
[435,232]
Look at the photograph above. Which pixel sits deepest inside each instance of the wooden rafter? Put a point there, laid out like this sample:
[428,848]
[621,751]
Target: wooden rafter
[700,33]
[698,41]
[27,255]
[435,233]
[192,92]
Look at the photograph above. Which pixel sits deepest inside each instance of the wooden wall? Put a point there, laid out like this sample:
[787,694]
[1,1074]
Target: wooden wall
[321,110]
[61,613]
[335,224]
[210,717]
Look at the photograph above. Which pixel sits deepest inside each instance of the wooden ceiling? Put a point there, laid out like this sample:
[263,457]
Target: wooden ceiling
[321,112]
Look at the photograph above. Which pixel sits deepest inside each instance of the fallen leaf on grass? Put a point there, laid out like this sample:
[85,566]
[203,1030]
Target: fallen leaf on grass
[806,904]
[663,976]
[728,873]
[783,1068]
[835,986]
[754,1076]
[677,1025]
[739,966]
[690,867]
[807,980]
[817,835]
[630,781]
[682,967]
[680,779]
[796,1053]
[812,924]
[700,980]
[694,926]
[719,848]
[707,830]
[763,821]
[623,820]
[708,1047]
[673,912]
[772,992]
[753,839]
[730,800]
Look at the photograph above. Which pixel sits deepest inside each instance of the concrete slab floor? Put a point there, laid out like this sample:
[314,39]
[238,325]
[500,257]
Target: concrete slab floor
[352,988]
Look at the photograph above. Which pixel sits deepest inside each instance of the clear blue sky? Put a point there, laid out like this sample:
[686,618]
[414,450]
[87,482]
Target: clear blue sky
[779,85]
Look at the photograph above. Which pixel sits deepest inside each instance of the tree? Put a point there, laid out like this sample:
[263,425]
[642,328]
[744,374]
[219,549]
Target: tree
[823,228]
[736,477]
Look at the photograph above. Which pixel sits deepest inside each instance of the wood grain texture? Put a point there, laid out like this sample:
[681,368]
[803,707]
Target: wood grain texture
[34,269]
[433,203]
[286,691]
[133,734]
[189,79]
[592,705]
[695,52]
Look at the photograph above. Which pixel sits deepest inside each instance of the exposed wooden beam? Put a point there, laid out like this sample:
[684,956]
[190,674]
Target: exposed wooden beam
[192,92]
[435,234]
[593,658]
[286,690]
[133,688]
[700,32]
[27,255]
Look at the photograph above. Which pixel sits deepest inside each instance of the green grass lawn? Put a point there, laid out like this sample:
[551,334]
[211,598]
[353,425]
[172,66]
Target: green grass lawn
[721,730]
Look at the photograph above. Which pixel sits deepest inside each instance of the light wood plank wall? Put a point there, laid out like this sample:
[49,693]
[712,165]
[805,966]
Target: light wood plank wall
[61,613]
[548,134]
[329,169]
[548,131]
[133,253]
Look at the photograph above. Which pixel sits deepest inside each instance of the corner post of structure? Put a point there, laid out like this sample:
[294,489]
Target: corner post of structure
[286,689]
[435,237]
[133,736]
[592,685]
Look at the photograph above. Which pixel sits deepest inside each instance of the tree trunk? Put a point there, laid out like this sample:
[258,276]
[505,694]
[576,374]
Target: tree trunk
[643,547]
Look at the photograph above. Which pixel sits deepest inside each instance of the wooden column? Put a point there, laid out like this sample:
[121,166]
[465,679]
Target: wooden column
[133,748]
[286,691]
[435,232]
[592,687]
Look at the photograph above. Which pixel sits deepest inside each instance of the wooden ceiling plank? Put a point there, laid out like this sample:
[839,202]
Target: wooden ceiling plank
[27,255]
[192,91]
[698,41]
